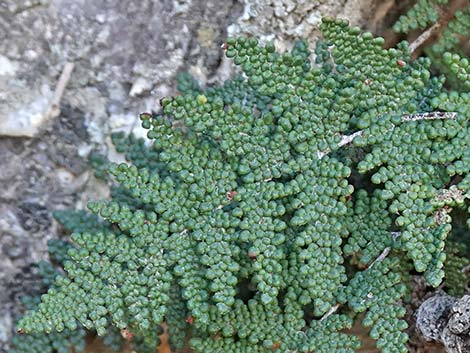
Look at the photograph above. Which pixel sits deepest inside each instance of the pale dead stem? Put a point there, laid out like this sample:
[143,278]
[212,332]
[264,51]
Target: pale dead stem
[330,312]
[346,139]
[54,107]
[429,116]
[379,258]
[446,14]
[448,195]
[423,37]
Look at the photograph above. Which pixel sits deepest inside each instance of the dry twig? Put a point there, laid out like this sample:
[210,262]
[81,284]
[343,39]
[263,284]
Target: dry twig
[429,116]
[423,37]
[54,108]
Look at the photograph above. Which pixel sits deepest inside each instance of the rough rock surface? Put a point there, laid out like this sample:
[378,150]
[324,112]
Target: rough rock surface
[286,20]
[433,315]
[126,54]
[446,320]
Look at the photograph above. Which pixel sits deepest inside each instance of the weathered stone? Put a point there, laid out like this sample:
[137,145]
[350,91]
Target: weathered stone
[459,322]
[432,316]
[445,319]
[287,20]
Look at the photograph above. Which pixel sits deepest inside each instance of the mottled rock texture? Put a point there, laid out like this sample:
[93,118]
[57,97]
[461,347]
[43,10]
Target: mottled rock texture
[446,320]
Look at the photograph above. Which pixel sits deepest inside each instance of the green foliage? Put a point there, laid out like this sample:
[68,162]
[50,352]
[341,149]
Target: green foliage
[459,67]
[448,52]
[67,339]
[50,343]
[369,227]
[456,30]
[186,84]
[457,269]
[236,224]
[177,319]
[99,163]
[78,221]
[457,264]
[54,342]
[421,15]
[378,290]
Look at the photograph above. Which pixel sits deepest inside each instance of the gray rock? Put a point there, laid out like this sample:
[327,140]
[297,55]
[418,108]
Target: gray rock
[23,109]
[459,322]
[432,316]
[446,320]
[285,20]
[7,67]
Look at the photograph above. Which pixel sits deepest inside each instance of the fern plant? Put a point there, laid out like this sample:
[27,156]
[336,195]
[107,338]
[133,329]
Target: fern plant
[67,339]
[448,23]
[266,214]
[53,342]
[449,52]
